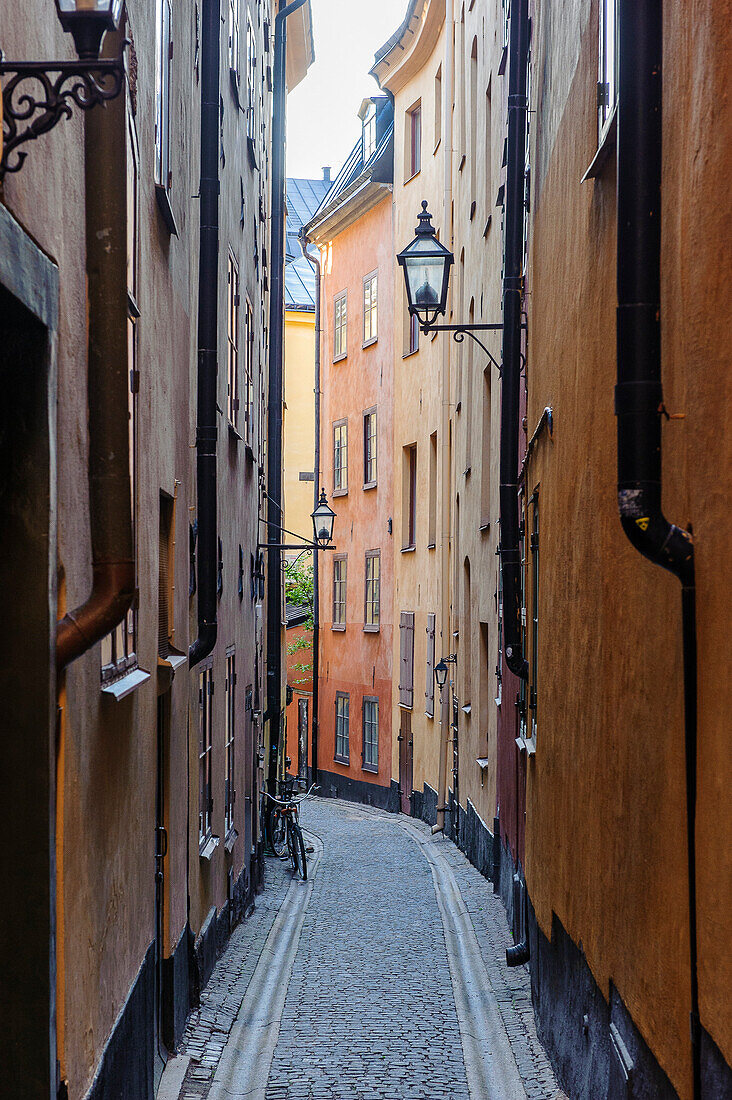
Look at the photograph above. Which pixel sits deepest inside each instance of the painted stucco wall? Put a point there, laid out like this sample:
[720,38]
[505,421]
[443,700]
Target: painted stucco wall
[354,660]
[606,824]
[417,408]
[299,424]
[106,751]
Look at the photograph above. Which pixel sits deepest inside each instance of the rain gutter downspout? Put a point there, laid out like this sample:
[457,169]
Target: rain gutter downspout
[511,343]
[444,437]
[315,264]
[108,386]
[274,407]
[638,393]
[208,269]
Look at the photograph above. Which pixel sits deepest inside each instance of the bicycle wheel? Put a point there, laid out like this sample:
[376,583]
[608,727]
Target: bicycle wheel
[300,862]
[277,832]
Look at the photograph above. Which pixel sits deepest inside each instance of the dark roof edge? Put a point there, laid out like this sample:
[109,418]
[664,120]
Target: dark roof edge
[395,38]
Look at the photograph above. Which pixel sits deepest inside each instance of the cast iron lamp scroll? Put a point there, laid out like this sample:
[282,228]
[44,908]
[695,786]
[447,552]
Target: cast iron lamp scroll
[441,669]
[38,94]
[426,263]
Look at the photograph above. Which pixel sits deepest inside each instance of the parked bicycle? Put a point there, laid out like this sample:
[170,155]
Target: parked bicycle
[283,826]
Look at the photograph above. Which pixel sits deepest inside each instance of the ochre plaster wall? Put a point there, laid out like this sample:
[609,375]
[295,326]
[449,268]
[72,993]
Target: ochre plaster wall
[417,407]
[299,422]
[606,826]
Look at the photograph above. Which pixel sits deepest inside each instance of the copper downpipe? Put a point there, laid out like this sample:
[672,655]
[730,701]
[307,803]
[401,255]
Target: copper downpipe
[108,385]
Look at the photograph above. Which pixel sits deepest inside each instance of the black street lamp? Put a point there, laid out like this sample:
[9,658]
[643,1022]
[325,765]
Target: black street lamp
[323,519]
[441,669]
[426,265]
[38,94]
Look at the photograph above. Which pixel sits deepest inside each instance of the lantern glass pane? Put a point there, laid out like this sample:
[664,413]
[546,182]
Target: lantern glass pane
[83,7]
[425,276]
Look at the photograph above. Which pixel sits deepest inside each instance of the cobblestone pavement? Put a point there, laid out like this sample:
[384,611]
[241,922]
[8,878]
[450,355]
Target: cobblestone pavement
[370,1010]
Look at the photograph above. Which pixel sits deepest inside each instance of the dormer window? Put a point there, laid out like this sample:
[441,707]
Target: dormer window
[369,133]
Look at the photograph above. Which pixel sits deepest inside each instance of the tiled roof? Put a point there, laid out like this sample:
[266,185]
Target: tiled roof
[303,198]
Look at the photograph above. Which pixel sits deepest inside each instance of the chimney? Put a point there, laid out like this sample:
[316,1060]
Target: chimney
[326,174]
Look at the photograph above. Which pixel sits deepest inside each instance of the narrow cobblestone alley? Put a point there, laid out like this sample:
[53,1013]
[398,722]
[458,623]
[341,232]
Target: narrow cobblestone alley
[364,981]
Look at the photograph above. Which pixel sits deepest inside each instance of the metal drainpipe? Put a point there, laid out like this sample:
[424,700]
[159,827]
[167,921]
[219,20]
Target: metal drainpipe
[638,394]
[446,494]
[208,284]
[518,953]
[511,349]
[108,386]
[315,264]
[274,408]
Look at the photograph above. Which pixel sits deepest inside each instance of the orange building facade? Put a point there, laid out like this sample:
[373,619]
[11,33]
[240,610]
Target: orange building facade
[353,229]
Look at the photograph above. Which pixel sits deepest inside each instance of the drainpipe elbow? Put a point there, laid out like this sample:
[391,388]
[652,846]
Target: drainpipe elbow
[113,590]
[204,644]
[663,543]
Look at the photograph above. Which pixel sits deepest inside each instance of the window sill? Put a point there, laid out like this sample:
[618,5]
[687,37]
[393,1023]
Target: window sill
[208,846]
[485,528]
[340,358]
[437,146]
[161,194]
[369,485]
[408,549]
[233,432]
[605,147]
[342,760]
[370,628]
[368,343]
[406,706]
[230,841]
[431,545]
[338,627]
[412,177]
[429,714]
[487,226]
[482,762]
[461,165]
[407,354]
[370,768]
[340,492]
[120,689]
[530,743]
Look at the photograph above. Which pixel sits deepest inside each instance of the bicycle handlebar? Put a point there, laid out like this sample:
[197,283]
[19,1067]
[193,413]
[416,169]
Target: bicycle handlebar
[292,801]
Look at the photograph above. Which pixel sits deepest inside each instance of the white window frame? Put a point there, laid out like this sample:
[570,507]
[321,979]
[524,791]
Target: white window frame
[370,308]
[340,326]
[372,591]
[230,746]
[370,751]
[340,457]
[370,448]
[342,751]
[340,592]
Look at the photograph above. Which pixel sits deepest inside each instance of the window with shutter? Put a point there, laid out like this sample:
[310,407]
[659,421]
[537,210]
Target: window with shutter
[429,693]
[406,661]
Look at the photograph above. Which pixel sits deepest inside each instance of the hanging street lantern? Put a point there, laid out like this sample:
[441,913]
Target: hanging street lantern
[426,264]
[441,673]
[323,518]
[87,21]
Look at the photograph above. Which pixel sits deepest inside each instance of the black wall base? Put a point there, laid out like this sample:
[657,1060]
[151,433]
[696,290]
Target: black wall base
[125,1070]
[333,785]
[177,989]
[424,805]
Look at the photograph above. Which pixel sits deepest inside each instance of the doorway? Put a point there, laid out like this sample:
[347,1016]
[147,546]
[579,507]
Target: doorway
[406,755]
[302,738]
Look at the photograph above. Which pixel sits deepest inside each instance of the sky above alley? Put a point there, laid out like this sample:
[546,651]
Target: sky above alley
[322,126]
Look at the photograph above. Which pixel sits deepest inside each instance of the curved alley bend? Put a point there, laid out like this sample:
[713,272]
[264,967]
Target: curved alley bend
[382,977]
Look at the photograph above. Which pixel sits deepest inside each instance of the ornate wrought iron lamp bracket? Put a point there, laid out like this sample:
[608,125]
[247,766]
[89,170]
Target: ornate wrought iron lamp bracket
[38,94]
[459,332]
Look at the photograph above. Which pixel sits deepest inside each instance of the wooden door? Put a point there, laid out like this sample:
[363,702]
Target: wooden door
[405,761]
